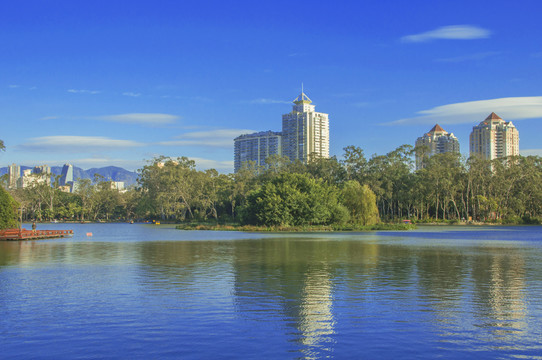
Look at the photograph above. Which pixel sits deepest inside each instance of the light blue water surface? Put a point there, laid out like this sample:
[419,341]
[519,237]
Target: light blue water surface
[153,292]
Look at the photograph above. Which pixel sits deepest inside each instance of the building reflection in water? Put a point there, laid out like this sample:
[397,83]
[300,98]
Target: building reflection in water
[305,291]
[316,321]
[500,302]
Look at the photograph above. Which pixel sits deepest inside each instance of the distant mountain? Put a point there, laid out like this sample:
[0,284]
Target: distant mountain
[112,173]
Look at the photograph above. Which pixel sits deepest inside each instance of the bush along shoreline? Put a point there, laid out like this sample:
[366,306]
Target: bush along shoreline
[304,228]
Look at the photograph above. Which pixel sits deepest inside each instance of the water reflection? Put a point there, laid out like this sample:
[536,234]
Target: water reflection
[314,296]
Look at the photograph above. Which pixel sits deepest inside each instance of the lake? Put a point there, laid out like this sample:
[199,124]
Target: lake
[152,292]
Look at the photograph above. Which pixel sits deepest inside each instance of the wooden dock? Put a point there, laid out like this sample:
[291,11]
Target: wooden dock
[23,234]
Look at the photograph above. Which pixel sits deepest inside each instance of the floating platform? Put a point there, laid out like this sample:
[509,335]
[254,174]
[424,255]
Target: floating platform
[23,234]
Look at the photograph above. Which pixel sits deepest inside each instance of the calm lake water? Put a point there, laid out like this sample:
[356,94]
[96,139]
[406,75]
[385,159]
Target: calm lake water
[153,292]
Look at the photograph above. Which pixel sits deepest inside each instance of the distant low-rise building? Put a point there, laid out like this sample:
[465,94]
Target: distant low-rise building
[30,178]
[118,185]
[435,141]
[41,169]
[494,138]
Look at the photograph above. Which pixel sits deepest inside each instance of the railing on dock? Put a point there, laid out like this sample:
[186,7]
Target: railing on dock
[24,234]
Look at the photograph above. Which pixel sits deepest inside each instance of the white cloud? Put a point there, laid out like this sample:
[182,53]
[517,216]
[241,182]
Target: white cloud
[454,32]
[132,94]
[83,91]
[77,144]
[88,163]
[141,118]
[214,138]
[268,101]
[222,166]
[511,108]
[529,152]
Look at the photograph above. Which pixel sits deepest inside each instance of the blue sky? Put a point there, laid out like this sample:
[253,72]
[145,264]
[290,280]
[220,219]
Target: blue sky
[98,83]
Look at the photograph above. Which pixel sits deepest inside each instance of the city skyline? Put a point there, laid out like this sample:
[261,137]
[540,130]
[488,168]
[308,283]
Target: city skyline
[110,84]
[304,133]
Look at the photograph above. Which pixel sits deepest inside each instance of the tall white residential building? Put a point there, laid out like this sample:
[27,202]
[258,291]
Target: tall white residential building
[304,131]
[256,147]
[14,171]
[494,138]
[436,141]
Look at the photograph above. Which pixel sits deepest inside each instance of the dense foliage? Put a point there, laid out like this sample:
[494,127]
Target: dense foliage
[8,210]
[294,199]
[355,190]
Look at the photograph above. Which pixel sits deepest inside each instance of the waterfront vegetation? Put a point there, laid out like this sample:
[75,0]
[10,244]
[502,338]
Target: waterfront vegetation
[8,210]
[325,194]
[305,228]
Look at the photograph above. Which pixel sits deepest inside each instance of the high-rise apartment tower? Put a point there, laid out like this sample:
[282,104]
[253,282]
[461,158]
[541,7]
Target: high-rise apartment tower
[14,175]
[494,138]
[304,131]
[256,148]
[436,141]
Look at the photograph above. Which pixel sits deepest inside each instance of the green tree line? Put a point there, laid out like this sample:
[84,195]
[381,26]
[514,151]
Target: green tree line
[355,190]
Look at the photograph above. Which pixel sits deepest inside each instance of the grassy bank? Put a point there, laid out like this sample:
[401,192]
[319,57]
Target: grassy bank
[307,228]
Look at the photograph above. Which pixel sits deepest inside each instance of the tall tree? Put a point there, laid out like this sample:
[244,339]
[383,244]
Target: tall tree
[8,210]
[361,202]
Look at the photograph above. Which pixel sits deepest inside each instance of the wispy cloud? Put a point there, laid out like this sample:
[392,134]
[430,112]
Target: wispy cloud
[470,57]
[203,164]
[45,118]
[537,55]
[87,163]
[511,108]
[141,118]
[132,94]
[76,144]
[15,86]
[214,138]
[454,32]
[366,104]
[362,104]
[531,152]
[268,101]
[83,91]
[189,98]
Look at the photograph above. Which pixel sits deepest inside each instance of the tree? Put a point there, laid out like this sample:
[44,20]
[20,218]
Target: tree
[168,186]
[293,199]
[329,170]
[361,202]
[355,163]
[85,191]
[8,210]
[443,176]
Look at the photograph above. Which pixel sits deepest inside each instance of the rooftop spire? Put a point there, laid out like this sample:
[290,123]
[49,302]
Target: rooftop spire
[437,128]
[493,116]
[302,98]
